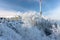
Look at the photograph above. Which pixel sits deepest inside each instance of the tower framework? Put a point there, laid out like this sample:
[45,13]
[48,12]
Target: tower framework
[40,7]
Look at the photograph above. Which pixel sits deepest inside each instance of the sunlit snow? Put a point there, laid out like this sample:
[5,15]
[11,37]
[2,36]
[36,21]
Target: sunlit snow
[29,26]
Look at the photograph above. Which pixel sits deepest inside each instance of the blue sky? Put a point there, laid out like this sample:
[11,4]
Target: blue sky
[20,5]
[26,5]
[49,7]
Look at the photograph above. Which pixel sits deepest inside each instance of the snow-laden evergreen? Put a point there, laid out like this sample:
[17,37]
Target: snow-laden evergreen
[29,27]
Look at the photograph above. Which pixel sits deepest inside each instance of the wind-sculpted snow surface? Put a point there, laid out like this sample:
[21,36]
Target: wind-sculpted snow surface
[29,27]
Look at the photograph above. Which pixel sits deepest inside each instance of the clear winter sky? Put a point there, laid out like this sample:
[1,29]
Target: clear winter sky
[50,8]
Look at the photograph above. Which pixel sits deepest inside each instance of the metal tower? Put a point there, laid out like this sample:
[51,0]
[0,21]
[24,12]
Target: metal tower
[40,7]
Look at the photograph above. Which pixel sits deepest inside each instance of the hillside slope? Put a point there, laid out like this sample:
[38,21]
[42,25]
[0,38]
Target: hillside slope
[29,27]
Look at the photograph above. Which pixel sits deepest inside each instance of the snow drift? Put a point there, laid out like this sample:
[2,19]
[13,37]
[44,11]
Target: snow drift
[29,27]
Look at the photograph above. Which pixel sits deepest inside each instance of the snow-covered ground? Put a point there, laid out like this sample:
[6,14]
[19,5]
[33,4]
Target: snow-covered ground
[29,27]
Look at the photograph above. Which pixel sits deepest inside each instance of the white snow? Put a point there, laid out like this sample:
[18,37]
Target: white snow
[29,27]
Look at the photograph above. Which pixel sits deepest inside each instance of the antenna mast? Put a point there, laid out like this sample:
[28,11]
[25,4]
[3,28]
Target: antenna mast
[40,7]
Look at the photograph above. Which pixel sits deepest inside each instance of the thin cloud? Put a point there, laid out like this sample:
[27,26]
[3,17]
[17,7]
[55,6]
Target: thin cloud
[5,13]
[8,13]
[54,13]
